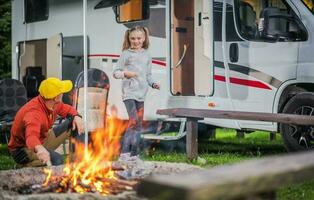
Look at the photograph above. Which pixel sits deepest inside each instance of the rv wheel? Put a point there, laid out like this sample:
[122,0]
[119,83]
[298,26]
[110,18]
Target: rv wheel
[298,138]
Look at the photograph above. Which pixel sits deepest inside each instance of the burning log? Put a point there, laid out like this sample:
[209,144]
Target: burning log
[112,188]
[121,184]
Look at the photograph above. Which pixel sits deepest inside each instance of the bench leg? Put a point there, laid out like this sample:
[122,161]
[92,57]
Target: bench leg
[191,138]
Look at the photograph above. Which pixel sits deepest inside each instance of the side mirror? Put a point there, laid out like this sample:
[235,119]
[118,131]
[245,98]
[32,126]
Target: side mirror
[131,11]
[275,26]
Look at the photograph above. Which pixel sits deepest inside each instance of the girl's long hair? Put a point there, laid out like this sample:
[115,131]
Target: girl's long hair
[126,42]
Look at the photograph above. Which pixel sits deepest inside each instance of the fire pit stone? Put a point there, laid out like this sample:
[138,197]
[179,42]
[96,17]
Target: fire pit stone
[12,181]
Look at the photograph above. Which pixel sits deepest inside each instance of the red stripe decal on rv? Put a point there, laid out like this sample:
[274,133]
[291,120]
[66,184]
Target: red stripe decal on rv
[250,83]
[157,62]
[220,78]
[245,82]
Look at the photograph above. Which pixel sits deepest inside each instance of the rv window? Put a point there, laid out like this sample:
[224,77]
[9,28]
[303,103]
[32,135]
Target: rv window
[268,20]
[36,10]
[133,10]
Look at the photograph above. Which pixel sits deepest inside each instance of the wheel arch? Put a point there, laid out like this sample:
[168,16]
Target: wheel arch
[287,91]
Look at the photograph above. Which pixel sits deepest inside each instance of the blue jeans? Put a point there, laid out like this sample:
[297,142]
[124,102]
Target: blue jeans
[55,158]
[132,136]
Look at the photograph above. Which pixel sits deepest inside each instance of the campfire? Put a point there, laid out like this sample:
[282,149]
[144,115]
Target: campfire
[63,184]
[91,171]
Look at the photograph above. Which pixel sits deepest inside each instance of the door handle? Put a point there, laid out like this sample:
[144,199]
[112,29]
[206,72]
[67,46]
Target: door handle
[185,47]
[200,18]
[234,52]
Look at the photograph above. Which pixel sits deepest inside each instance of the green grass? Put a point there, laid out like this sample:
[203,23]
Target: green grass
[303,191]
[228,149]
[225,149]
[6,161]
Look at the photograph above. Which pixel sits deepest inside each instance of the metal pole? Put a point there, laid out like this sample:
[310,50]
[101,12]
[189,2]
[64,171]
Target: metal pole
[85,78]
[224,52]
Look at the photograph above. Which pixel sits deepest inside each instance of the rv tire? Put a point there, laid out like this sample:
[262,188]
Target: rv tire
[298,138]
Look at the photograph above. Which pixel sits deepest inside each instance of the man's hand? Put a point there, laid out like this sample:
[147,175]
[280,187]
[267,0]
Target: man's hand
[129,74]
[78,124]
[42,153]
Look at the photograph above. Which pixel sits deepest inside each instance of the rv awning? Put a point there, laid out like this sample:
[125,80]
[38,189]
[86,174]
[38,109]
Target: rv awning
[109,3]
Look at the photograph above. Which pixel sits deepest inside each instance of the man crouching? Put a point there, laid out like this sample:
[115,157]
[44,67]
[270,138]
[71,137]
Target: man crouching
[33,142]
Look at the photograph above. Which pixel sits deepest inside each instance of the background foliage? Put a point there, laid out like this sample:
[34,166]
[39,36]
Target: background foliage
[5,38]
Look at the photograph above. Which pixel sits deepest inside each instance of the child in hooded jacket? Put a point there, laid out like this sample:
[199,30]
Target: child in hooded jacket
[134,68]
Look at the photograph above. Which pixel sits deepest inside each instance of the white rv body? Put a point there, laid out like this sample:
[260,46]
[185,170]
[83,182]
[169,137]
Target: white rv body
[255,82]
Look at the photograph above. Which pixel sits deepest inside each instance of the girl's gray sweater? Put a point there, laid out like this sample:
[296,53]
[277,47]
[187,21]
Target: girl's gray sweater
[140,63]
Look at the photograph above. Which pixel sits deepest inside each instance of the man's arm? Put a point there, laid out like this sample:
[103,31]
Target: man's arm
[77,123]
[32,133]
[32,124]
[64,110]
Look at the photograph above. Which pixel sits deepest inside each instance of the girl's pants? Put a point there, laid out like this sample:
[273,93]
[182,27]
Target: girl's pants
[132,137]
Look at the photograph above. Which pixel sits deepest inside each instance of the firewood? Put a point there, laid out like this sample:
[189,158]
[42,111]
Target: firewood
[127,183]
[119,182]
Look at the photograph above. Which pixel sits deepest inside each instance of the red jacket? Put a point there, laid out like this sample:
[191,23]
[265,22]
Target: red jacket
[32,122]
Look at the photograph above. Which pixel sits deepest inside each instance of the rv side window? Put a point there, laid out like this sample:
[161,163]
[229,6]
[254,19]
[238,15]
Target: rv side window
[231,33]
[132,10]
[36,10]
[269,20]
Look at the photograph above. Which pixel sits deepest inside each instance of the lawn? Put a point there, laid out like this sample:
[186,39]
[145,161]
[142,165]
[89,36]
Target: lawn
[225,149]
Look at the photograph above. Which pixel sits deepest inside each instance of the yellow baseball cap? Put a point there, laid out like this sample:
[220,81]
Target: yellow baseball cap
[52,87]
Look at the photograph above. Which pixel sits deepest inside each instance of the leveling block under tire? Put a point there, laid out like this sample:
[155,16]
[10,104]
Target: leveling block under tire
[295,137]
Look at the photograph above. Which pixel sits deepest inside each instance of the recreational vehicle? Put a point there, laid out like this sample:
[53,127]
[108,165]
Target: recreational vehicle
[236,55]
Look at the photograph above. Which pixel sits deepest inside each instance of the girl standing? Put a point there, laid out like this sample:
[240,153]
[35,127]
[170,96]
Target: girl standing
[134,68]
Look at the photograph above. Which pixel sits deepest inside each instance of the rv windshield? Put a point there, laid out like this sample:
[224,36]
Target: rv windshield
[309,4]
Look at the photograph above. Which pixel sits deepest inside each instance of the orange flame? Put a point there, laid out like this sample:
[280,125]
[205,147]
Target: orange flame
[48,172]
[91,171]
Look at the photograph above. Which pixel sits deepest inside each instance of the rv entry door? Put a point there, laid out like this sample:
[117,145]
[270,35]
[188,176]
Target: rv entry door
[54,56]
[203,63]
[191,47]
[182,47]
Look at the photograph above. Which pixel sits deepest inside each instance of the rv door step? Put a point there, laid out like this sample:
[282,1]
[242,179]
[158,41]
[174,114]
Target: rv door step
[167,135]
[163,137]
